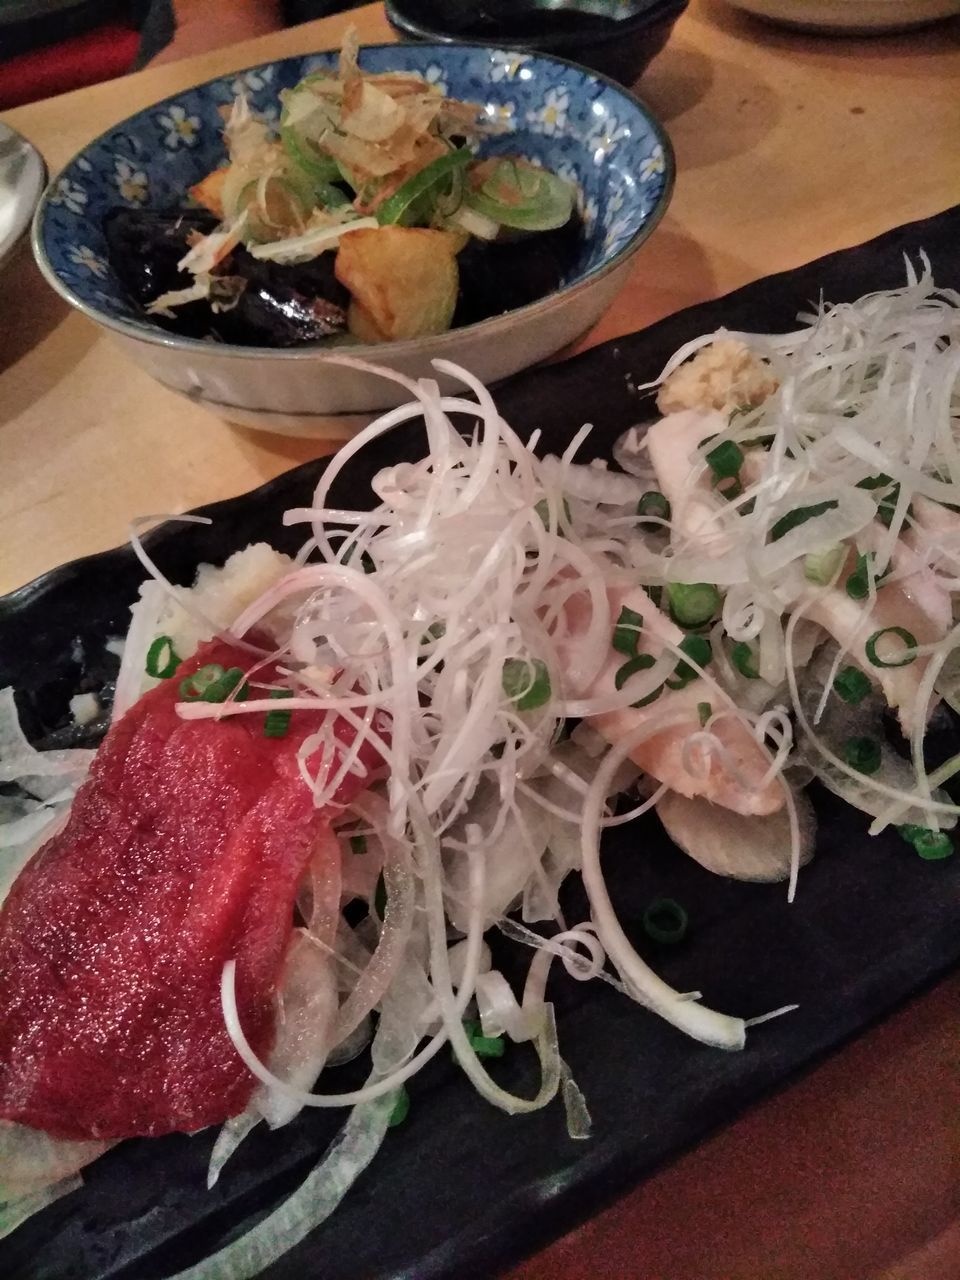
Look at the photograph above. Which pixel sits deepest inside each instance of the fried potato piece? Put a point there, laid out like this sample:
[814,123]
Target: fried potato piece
[404,281]
[209,191]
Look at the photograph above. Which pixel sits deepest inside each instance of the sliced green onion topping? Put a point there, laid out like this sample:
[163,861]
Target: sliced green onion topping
[745,660]
[696,647]
[905,657]
[874,482]
[704,712]
[887,506]
[483,1046]
[862,754]
[656,505]
[518,194]
[526,684]
[162,658]
[401,1108]
[319,167]
[725,460]
[851,685]
[933,846]
[212,684]
[692,603]
[276,723]
[793,519]
[858,584]
[820,567]
[409,202]
[192,687]
[665,921]
[730,488]
[640,662]
[651,697]
[626,634]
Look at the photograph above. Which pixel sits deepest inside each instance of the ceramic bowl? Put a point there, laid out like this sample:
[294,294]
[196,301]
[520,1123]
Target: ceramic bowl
[22,176]
[618,44]
[576,123]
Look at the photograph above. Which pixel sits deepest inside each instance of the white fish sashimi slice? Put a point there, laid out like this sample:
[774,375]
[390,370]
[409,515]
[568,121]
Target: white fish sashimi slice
[742,847]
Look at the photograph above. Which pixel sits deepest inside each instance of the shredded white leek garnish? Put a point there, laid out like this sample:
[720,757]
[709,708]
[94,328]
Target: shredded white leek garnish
[788,577]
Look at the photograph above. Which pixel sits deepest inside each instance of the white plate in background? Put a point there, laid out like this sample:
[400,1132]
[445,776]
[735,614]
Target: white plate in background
[22,178]
[851,17]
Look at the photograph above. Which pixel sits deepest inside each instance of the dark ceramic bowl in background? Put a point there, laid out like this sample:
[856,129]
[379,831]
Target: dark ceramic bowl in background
[620,43]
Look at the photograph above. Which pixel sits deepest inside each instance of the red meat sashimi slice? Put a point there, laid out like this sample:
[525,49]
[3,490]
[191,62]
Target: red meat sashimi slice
[183,849]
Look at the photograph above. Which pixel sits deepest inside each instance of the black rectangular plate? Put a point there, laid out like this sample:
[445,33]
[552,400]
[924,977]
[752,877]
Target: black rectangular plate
[462,1190]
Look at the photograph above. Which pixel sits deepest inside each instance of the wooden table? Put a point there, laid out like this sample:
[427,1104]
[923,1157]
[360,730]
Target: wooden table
[788,147]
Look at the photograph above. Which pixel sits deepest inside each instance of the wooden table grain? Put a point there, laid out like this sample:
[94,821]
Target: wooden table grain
[788,147]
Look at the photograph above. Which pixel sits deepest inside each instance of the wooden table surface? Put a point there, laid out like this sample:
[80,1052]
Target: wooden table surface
[788,146]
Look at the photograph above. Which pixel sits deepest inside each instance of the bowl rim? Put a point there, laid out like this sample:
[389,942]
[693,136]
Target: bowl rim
[155,336]
[650,19]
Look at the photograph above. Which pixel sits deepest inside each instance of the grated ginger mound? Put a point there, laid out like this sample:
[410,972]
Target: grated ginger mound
[725,375]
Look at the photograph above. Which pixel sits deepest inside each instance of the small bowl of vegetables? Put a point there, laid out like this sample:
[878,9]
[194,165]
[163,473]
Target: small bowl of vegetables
[399,203]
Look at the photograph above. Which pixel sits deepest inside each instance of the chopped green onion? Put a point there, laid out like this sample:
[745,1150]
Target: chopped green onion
[193,686]
[933,846]
[162,658]
[401,1108]
[887,506]
[862,754]
[518,194]
[699,650]
[640,662]
[725,460]
[793,519]
[212,684]
[745,660]
[858,583]
[626,634]
[651,697]
[874,482]
[654,508]
[665,921]
[704,712]
[851,685]
[820,567]
[692,603]
[526,683]
[408,204]
[276,723]
[907,656]
[730,488]
[483,1046]
[358,844]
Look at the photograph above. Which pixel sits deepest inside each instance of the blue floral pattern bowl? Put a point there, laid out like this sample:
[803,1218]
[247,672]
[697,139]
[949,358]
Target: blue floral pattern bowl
[572,121]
